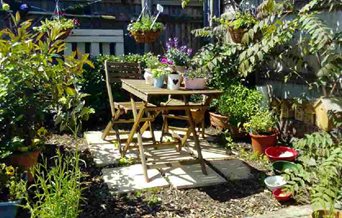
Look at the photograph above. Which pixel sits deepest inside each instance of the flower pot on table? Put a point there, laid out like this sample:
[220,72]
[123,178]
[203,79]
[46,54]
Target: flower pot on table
[195,83]
[9,209]
[148,76]
[218,120]
[261,142]
[158,82]
[173,81]
[24,161]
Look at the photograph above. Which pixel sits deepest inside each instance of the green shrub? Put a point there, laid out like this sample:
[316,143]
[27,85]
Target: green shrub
[35,83]
[318,180]
[239,103]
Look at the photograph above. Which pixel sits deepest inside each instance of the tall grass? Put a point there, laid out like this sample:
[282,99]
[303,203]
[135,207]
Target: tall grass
[57,190]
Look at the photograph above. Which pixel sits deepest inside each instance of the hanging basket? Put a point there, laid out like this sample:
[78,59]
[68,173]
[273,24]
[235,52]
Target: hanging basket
[145,37]
[236,34]
[65,34]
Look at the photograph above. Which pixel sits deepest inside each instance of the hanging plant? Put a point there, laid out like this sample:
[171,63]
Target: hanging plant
[144,30]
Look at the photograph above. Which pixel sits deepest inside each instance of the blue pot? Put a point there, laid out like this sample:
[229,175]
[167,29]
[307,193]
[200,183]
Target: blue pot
[9,209]
[158,82]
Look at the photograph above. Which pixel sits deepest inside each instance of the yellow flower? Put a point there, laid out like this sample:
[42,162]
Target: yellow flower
[9,171]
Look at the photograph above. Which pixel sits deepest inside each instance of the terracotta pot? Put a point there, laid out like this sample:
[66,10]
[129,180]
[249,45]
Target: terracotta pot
[25,161]
[145,37]
[326,214]
[218,120]
[261,142]
[236,34]
[197,115]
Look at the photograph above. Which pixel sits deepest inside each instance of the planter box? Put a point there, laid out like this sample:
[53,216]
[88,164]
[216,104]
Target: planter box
[195,83]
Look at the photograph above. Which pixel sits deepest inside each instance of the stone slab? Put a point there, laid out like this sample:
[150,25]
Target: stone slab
[131,178]
[191,176]
[303,211]
[167,154]
[233,169]
[107,154]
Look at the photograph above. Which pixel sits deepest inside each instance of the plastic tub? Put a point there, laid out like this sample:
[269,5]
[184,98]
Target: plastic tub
[281,153]
[281,195]
[274,182]
[280,166]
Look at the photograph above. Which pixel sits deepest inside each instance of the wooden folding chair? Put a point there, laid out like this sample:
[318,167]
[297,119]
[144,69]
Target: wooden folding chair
[114,73]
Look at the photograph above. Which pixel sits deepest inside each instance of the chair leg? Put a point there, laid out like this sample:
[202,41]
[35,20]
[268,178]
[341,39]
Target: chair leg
[163,129]
[203,128]
[107,129]
[151,129]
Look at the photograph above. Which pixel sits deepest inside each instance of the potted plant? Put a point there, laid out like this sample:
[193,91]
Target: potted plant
[261,128]
[195,79]
[143,31]
[159,77]
[178,56]
[63,25]
[239,25]
[12,190]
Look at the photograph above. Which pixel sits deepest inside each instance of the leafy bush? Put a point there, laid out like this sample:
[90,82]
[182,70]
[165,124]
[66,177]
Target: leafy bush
[239,103]
[35,83]
[144,25]
[318,180]
[262,123]
[57,190]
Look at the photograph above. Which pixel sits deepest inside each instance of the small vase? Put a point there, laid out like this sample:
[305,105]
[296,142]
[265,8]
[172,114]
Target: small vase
[148,76]
[158,82]
[173,81]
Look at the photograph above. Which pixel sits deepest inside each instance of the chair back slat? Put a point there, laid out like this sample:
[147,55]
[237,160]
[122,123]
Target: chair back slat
[116,71]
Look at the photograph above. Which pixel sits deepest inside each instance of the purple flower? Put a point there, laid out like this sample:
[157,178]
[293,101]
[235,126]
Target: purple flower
[164,60]
[189,51]
[183,48]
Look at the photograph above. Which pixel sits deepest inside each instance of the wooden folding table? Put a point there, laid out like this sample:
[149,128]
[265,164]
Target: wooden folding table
[146,92]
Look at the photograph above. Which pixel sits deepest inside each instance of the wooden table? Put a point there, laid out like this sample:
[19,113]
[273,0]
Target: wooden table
[145,92]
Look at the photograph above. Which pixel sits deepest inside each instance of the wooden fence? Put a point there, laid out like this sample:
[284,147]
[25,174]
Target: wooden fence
[178,22]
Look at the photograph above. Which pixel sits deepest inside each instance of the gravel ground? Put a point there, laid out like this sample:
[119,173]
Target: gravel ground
[238,199]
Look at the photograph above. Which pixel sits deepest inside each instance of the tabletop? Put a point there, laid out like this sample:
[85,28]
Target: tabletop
[144,91]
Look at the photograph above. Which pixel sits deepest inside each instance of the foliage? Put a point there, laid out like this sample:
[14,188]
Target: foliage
[194,73]
[57,190]
[34,80]
[12,187]
[145,25]
[263,122]
[178,54]
[319,178]
[60,24]
[154,63]
[239,103]
[241,20]
[156,73]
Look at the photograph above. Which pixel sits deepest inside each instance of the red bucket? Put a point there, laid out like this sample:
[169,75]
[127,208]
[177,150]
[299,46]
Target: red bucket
[280,195]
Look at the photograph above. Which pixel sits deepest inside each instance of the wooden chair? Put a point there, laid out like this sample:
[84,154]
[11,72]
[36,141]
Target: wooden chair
[114,73]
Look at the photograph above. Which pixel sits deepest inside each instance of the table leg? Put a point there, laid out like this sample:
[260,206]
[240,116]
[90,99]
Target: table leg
[197,144]
[139,136]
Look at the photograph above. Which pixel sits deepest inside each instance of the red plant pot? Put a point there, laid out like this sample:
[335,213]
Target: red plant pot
[261,142]
[280,195]
[275,153]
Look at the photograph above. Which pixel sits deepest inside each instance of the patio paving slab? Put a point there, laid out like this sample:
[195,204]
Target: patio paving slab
[191,176]
[131,178]
[303,211]
[209,152]
[234,169]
